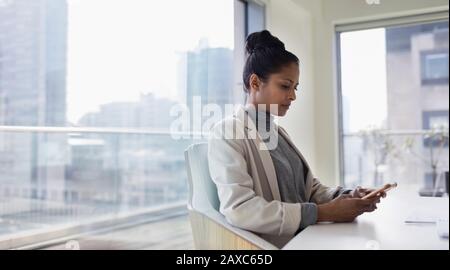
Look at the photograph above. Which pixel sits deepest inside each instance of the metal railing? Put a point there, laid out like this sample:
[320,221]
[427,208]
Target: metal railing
[133,131]
[395,132]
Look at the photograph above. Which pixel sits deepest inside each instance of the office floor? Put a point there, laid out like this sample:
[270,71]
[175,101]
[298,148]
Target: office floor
[173,233]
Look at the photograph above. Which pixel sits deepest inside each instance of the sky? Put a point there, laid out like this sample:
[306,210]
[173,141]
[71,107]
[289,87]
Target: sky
[364,85]
[118,49]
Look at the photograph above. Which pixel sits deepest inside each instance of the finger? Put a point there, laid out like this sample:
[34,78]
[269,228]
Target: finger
[344,196]
[371,208]
[364,190]
[367,202]
[363,205]
[376,198]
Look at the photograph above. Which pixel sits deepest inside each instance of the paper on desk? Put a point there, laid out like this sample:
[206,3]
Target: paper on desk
[424,213]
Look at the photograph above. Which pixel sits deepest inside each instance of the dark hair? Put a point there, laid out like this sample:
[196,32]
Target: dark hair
[266,55]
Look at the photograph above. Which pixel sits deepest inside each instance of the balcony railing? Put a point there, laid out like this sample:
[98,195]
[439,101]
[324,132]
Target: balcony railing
[57,181]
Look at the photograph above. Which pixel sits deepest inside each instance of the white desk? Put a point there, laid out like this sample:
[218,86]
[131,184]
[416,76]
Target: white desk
[383,229]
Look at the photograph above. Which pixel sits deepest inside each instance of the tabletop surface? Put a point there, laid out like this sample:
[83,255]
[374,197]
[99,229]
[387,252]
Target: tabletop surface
[384,228]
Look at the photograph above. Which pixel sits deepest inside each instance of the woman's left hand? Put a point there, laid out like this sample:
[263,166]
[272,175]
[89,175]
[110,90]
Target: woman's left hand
[360,192]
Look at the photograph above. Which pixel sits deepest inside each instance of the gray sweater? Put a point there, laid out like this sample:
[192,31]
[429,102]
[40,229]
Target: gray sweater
[290,170]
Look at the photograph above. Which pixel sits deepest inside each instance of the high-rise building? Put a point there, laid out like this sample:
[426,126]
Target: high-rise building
[33,45]
[209,75]
[418,93]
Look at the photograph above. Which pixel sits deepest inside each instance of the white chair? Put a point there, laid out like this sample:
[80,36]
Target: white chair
[209,227]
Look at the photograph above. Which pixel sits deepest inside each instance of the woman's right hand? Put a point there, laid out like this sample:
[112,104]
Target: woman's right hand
[345,208]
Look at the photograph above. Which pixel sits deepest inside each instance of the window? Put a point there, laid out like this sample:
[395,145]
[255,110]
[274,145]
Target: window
[436,122]
[393,95]
[434,68]
[85,103]
[255,17]
[252,15]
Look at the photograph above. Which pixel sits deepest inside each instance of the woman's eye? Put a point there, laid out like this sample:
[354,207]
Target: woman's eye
[286,86]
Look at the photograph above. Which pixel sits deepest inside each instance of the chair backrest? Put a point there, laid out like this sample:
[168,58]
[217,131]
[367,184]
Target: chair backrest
[210,228]
[203,191]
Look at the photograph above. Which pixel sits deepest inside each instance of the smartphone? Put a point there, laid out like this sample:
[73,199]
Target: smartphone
[385,188]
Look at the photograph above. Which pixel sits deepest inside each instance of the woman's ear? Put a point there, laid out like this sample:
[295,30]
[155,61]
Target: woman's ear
[255,83]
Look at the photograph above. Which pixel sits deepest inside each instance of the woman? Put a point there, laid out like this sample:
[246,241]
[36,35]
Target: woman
[264,183]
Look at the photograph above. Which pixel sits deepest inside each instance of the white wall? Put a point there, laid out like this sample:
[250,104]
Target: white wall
[307,28]
[293,25]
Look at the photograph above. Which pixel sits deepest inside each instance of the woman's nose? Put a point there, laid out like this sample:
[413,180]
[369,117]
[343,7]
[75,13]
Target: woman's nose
[292,95]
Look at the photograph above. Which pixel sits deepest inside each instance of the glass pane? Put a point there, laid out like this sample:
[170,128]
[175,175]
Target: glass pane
[72,179]
[255,17]
[436,66]
[64,65]
[395,105]
[87,94]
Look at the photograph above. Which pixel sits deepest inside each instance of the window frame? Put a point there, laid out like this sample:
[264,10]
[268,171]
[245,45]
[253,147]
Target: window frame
[240,35]
[426,119]
[431,81]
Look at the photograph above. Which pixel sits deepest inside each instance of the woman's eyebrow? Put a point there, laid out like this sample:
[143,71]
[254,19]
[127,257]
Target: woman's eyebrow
[290,81]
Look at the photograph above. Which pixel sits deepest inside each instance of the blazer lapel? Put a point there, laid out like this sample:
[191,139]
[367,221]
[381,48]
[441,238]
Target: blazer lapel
[264,154]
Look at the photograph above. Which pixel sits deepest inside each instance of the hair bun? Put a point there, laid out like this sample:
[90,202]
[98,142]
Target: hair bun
[262,40]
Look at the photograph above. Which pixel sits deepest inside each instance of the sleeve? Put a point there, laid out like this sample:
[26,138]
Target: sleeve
[322,194]
[238,201]
[309,215]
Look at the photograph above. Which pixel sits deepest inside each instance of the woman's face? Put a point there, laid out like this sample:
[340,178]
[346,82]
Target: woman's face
[278,90]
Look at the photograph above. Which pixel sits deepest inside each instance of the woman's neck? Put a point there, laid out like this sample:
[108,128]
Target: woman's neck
[260,116]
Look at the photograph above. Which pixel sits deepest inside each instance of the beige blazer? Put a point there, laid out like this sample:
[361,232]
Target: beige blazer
[247,183]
